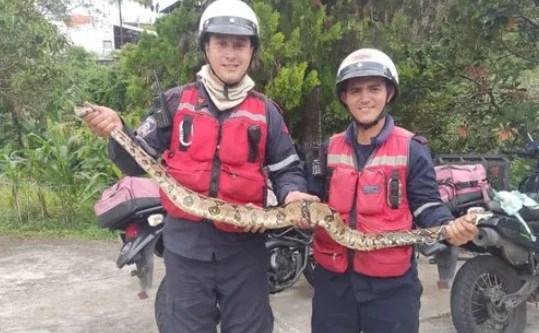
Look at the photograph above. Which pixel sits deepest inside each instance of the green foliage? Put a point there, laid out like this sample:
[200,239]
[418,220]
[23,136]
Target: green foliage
[297,56]
[43,77]
[29,48]
[57,176]
[172,55]
[468,81]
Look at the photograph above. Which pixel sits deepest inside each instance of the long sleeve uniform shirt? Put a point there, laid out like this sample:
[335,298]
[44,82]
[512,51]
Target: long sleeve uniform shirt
[423,197]
[201,240]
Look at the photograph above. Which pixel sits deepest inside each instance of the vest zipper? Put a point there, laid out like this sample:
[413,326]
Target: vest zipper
[353,225]
[216,167]
[353,212]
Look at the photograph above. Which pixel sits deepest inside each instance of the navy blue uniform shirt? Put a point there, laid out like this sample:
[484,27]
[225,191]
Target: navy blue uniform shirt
[423,197]
[201,240]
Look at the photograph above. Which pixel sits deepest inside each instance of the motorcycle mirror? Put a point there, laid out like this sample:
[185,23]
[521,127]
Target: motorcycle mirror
[155,219]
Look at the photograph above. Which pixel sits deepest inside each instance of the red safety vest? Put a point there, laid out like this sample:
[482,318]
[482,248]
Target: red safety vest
[378,192]
[218,160]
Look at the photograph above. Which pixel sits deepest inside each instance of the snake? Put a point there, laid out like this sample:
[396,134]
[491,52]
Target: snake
[317,213]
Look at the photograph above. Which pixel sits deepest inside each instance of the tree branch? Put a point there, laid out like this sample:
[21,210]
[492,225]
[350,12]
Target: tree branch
[493,101]
[516,54]
[470,79]
[530,21]
[9,67]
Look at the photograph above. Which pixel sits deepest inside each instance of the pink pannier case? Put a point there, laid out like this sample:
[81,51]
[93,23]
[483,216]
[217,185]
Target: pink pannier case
[123,199]
[463,185]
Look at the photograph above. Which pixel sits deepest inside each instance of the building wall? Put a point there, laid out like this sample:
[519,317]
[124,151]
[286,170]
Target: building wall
[92,28]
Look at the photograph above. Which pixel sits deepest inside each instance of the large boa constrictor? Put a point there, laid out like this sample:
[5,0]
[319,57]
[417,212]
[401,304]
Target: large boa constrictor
[276,217]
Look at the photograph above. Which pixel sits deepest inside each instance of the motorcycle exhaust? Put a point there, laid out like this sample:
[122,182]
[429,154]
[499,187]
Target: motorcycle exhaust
[487,237]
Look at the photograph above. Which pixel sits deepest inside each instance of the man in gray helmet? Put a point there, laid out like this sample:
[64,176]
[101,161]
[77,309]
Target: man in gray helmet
[380,178]
[221,140]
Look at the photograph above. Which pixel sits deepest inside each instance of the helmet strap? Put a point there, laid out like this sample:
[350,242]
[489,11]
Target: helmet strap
[373,123]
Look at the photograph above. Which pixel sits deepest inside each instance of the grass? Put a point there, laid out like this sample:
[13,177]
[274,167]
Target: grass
[52,228]
[29,222]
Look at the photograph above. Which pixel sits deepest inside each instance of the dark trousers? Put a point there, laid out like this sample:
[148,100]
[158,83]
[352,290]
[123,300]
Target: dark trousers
[232,291]
[341,307]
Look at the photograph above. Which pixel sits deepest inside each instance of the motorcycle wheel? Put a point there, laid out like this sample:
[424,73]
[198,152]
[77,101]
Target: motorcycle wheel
[161,306]
[477,283]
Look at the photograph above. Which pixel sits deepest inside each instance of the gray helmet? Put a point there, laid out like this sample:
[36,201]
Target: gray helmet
[367,62]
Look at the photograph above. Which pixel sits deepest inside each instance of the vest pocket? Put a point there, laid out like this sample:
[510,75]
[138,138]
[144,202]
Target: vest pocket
[203,140]
[389,262]
[197,179]
[330,255]
[371,191]
[241,188]
[234,145]
[341,189]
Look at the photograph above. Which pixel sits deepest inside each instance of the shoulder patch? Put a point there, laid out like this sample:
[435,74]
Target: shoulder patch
[146,127]
[420,139]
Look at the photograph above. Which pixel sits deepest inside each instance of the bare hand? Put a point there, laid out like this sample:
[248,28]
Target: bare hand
[102,121]
[461,230]
[297,196]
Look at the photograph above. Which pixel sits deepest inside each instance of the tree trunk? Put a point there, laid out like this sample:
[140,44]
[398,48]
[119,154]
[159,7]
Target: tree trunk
[16,124]
[312,127]
[311,137]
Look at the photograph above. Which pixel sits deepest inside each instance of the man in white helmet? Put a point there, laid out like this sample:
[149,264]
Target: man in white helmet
[380,178]
[219,138]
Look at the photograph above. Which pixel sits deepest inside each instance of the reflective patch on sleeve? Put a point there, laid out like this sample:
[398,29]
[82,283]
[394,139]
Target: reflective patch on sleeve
[284,163]
[425,206]
[147,127]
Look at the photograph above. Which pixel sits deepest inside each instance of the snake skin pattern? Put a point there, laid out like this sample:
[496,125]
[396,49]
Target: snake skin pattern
[318,214]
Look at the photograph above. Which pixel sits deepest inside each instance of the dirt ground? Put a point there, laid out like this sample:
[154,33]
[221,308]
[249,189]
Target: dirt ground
[54,285]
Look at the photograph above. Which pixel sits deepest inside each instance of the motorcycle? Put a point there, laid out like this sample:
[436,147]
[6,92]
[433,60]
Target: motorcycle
[141,239]
[490,290]
[290,257]
[290,253]
[133,208]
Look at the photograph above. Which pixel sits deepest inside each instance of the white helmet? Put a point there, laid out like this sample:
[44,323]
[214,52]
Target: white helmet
[367,62]
[231,17]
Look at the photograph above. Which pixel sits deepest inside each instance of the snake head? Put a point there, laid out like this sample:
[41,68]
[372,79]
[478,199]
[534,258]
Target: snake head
[481,217]
[85,109]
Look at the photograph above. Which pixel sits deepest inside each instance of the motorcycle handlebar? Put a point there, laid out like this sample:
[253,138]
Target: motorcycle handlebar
[518,153]
[530,150]
[429,250]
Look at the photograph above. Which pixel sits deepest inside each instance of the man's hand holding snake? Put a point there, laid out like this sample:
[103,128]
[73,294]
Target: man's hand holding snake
[298,196]
[461,230]
[103,120]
